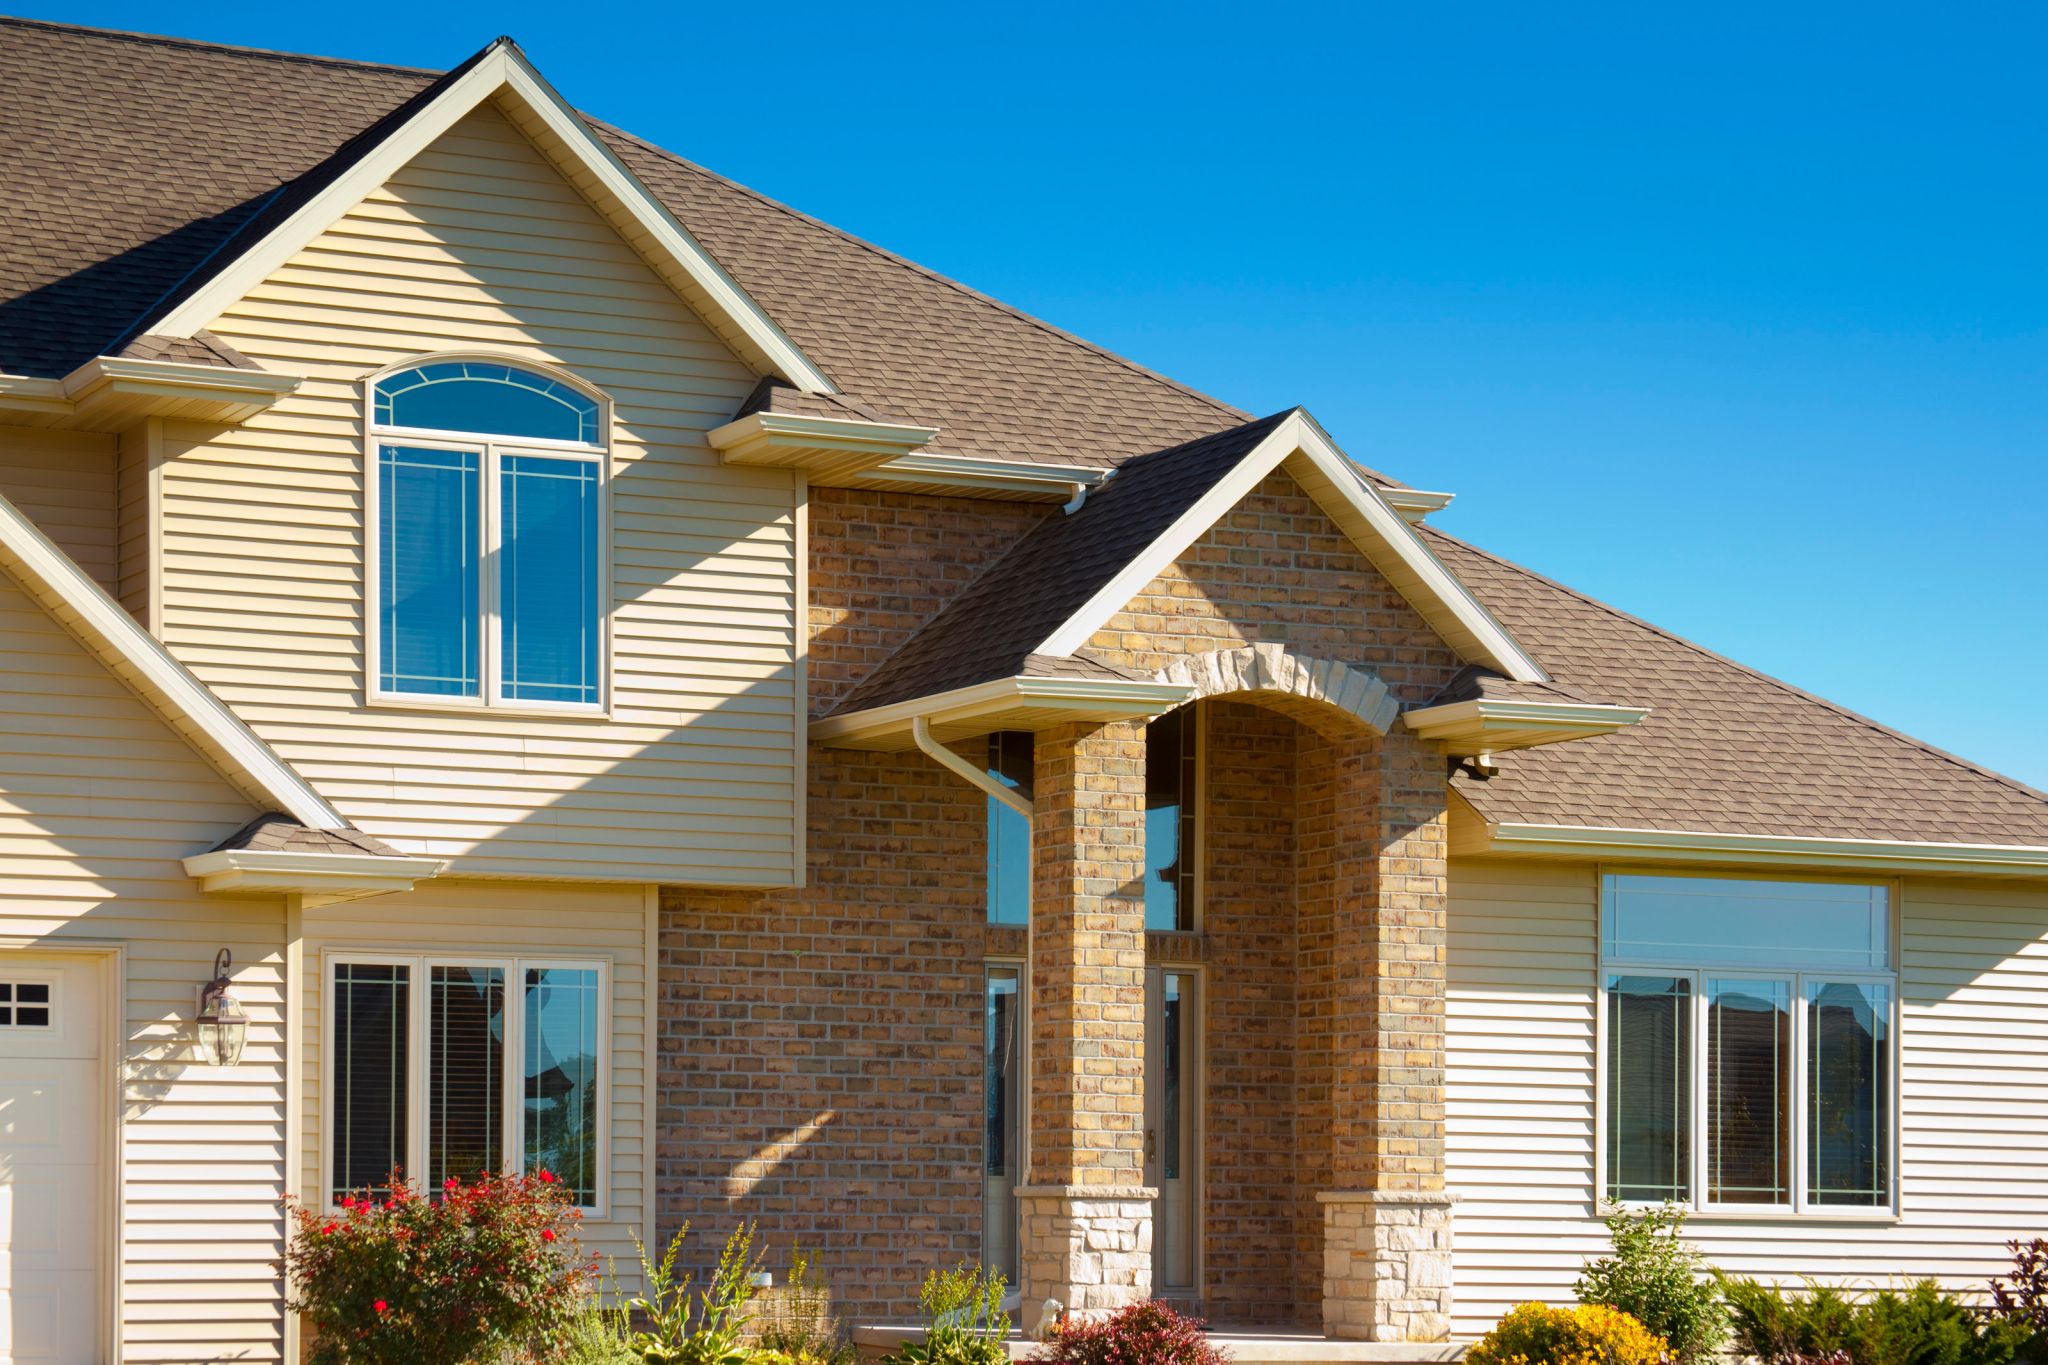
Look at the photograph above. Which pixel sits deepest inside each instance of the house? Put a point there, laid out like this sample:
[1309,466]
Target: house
[604,671]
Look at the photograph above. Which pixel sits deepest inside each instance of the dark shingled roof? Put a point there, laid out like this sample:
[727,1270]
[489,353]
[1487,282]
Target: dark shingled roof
[133,165]
[992,627]
[275,832]
[1725,749]
[776,395]
[203,348]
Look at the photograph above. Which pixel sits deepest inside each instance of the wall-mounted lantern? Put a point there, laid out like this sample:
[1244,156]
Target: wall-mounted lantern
[223,1028]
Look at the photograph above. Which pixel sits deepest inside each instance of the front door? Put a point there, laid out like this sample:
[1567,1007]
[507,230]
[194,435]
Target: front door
[51,1109]
[1173,1138]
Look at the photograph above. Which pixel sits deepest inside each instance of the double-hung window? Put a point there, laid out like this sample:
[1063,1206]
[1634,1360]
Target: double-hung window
[1750,1044]
[452,1067]
[487,534]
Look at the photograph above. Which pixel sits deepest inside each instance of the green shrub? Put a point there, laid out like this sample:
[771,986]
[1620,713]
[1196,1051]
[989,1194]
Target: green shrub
[1659,1280]
[708,1328]
[1588,1334]
[800,1326]
[1920,1325]
[964,1323]
[480,1271]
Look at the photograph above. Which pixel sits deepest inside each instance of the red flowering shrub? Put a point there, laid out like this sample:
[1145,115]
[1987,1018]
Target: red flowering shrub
[480,1270]
[1142,1334]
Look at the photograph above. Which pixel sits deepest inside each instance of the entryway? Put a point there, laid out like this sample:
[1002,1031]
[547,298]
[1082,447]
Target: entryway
[53,1097]
[1173,1127]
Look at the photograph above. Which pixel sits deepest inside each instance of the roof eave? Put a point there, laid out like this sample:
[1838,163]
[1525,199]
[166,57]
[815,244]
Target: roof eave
[318,878]
[1487,725]
[1014,703]
[828,450]
[1770,850]
[113,393]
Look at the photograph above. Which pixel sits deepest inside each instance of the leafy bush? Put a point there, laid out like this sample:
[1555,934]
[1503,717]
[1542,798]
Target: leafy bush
[800,1326]
[1588,1334]
[1139,1334]
[1660,1281]
[600,1331]
[2022,1296]
[1921,1325]
[480,1271]
[964,1323]
[707,1329]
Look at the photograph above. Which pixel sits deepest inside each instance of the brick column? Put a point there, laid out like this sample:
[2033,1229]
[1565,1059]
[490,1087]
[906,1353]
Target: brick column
[1372,857]
[1086,1212]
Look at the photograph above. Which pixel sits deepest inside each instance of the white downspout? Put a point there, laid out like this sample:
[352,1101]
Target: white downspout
[921,735]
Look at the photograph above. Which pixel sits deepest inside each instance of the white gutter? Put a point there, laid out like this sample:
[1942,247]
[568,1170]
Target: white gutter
[921,735]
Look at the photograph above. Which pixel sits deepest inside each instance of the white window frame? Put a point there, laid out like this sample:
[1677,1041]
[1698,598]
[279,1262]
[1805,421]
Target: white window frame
[1698,972]
[491,451]
[512,1107]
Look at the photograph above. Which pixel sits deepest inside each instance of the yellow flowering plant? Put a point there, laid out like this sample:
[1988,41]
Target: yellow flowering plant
[1585,1334]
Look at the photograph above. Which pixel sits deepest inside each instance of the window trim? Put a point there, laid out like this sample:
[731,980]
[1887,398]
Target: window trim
[994,962]
[491,451]
[418,1061]
[1801,1207]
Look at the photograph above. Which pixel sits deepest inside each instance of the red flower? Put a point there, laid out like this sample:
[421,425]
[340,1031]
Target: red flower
[450,1183]
[547,1234]
[380,1305]
[547,1177]
[348,1201]
[330,1227]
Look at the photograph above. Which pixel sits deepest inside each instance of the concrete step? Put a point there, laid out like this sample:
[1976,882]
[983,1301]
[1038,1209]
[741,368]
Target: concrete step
[1244,1347]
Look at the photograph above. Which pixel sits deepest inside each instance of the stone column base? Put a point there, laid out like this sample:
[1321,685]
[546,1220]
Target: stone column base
[1386,1264]
[1089,1248]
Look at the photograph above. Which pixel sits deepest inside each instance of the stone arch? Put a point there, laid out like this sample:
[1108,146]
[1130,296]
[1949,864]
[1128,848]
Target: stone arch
[1325,695]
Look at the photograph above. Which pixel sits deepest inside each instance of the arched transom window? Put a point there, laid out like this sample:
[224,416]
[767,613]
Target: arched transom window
[487,561]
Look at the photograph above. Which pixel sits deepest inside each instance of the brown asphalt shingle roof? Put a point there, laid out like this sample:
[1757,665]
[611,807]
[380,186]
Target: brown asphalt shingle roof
[1725,749]
[992,627]
[276,832]
[130,162]
[131,165]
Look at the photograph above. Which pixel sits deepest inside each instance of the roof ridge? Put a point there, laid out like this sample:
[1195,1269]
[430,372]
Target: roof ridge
[1856,716]
[1143,371]
[202,44]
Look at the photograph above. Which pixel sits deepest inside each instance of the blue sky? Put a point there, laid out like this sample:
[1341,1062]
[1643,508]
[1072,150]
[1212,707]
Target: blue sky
[1730,315]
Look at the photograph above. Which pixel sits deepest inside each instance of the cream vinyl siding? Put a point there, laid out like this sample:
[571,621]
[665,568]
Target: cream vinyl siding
[64,482]
[98,801]
[478,244]
[514,919]
[1973,984]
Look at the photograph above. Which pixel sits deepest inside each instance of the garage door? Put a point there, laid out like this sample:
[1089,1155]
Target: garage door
[52,1096]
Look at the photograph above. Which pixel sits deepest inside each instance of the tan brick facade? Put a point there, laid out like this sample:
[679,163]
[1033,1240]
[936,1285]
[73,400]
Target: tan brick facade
[821,1048]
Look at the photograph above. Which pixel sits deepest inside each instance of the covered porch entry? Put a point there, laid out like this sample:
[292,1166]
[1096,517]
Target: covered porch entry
[1214,1055]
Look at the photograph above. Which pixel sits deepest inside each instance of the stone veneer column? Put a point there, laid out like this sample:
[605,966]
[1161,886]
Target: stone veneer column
[1373,864]
[1086,1213]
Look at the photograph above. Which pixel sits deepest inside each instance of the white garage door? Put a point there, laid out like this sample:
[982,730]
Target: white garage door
[51,1100]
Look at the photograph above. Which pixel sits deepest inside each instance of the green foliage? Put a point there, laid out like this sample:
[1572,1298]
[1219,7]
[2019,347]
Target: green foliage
[707,1328]
[1659,1280]
[964,1323]
[599,1333]
[1588,1334]
[482,1271]
[1920,1325]
[800,1327]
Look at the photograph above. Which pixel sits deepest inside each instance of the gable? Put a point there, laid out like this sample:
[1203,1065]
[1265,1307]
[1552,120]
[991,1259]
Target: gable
[479,244]
[1276,569]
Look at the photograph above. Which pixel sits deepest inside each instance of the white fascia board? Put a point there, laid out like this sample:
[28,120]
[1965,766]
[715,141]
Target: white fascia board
[1054,482]
[799,430]
[1415,503]
[322,878]
[1473,719]
[163,682]
[2006,860]
[203,380]
[1081,694]
[1298,435]
[502,69]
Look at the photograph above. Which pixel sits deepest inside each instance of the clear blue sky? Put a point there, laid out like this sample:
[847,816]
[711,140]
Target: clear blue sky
[1730,315]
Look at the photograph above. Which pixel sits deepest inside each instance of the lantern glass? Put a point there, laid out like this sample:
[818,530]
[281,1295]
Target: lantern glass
[222,1027]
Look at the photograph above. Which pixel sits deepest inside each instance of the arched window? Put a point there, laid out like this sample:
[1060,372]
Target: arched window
[487,559]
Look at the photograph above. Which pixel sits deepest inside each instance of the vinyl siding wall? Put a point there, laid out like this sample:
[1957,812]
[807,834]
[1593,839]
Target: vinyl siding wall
[479,245]
[512,919]
[63,481]
[1973,986]
[98,801]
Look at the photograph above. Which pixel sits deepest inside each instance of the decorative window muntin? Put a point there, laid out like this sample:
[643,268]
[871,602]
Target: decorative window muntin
[488,539]
[28,1003]
[1749,1039]
[451,1066]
